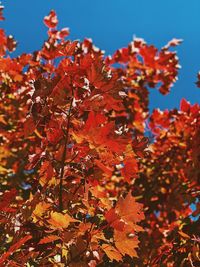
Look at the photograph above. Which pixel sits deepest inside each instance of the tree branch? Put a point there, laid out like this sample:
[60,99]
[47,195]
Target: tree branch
[64,155]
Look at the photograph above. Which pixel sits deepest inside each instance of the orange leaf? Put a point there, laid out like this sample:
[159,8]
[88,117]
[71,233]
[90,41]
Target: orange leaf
[104,168]
[129,210]
[184,235]
[111,252]
[58,220]
[126,243]
[46,172]
[49,239]
[39,210]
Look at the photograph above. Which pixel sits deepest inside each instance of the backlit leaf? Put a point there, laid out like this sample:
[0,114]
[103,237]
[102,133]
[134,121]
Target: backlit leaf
[58,220]
[111,252]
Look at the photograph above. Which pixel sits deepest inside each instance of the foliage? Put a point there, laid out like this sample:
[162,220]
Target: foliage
[81,184]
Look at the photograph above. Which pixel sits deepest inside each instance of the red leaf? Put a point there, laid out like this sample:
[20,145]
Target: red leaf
[11,43]
[51,20]
[46,172]
[185,105]
[7,198]
[13,248]
[139,146]
[64,33]
[54,132]
[114,220]
[174,42]
[130,169]
[1,12]
[29,126]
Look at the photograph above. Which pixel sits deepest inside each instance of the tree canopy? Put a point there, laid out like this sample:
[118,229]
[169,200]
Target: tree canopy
[88,175]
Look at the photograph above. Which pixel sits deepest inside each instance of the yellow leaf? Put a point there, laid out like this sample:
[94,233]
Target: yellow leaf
[58,220]
[184,235]
[2,120]
[3,170]
[78,138]
[39,210]
[65,252]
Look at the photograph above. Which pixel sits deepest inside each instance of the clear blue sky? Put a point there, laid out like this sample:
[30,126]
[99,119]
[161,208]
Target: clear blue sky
[111,24]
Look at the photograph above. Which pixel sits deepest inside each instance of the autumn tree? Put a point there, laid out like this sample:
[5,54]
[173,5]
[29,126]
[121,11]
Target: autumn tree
[81,184]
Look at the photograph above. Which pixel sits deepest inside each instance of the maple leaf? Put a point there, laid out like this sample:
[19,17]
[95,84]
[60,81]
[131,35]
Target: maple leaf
[104,168]
[29,126]
[39,210]
[126,242]
[184,105]
[54,132]
[82,167]
[139,146]
[149,54]
[51,20]
[130,169]
[11,43]
[48,239]
[6,199]
[111,252]
[173,42]
[129,210]
[13,248]
[126,215]
[114,219]
[64,33]
[59,221]
[46,172]
[96,73]
[1,12]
